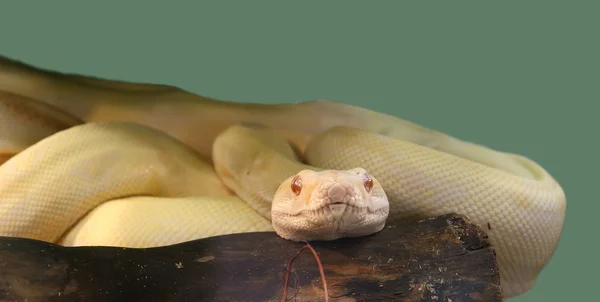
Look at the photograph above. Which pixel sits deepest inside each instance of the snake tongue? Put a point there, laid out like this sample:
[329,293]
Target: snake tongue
[337,210]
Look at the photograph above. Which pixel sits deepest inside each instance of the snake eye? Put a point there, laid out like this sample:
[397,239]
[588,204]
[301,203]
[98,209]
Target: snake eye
[368,182]
[297,185]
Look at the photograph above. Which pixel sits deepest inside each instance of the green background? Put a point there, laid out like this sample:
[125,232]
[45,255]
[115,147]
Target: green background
[515,76]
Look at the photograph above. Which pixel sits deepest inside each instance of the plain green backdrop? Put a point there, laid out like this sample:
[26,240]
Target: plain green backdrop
[516,76]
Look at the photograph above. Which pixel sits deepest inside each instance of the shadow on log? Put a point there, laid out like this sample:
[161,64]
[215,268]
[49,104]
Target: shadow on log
[440,259]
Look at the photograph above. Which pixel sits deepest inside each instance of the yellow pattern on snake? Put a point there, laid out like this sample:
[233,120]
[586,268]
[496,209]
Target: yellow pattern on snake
[88,161]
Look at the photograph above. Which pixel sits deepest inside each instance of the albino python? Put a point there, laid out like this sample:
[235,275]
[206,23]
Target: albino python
[88,161]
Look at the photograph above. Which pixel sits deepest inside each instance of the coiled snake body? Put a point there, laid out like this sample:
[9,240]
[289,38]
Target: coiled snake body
[96,162]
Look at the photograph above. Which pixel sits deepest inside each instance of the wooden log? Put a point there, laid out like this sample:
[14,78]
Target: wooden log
[446,258]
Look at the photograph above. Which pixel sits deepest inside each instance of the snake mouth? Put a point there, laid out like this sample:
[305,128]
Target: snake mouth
[339,205]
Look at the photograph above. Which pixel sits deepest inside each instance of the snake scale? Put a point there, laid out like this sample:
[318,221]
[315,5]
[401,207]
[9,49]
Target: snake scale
[89,161]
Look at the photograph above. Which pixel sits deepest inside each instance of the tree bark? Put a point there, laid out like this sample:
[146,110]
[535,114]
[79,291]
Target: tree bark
[446,258]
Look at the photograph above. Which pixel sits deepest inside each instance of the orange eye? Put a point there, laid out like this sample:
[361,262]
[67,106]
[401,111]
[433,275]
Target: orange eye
[297,185]
[368,181]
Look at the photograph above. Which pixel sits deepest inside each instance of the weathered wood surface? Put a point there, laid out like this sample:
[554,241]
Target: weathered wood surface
[441,259]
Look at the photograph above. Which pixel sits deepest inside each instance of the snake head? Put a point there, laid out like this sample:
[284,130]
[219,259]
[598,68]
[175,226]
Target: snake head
[329,204]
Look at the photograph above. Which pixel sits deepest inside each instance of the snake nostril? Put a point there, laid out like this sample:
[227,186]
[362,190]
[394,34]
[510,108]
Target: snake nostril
[336,193]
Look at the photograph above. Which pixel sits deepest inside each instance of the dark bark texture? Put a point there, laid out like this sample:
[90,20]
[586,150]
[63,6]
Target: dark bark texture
[446,258]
